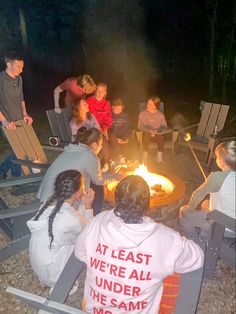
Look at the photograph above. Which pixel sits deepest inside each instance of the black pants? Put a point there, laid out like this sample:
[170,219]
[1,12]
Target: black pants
[98,198]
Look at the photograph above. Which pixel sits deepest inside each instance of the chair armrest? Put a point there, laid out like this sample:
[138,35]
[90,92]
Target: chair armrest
[20,211]
[222,219]
[29,163]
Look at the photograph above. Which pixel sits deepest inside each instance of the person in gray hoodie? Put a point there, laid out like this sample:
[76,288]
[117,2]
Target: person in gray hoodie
[80,156]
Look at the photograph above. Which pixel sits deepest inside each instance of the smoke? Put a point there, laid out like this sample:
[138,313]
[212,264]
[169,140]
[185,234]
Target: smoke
[178,121]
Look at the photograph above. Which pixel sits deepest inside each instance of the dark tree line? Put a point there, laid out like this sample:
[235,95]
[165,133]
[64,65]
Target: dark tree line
[136,46]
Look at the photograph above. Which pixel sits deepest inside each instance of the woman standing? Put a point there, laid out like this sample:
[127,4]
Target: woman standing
[75,87]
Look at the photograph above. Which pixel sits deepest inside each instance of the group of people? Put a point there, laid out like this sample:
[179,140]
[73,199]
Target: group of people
[125,251]
[89,108]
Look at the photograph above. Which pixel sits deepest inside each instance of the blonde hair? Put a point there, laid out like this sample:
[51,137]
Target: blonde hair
[227,151]
[118,102]
[85,79]
[104,86]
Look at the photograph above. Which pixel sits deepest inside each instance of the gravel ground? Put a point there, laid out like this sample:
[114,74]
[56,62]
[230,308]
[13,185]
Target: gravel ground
[217,295]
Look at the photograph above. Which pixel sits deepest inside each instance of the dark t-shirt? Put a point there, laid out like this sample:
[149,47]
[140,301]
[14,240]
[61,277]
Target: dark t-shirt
[121,125]
[11,96]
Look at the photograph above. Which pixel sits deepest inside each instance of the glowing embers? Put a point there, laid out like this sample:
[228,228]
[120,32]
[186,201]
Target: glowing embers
[160,186]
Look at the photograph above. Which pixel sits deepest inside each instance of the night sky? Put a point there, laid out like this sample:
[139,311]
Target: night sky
[176,49]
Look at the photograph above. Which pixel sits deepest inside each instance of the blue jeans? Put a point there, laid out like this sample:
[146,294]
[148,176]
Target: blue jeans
[8,164]
[98,198]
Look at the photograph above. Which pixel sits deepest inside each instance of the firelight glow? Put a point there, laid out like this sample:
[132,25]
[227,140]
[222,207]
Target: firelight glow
[151,178]
[187,137]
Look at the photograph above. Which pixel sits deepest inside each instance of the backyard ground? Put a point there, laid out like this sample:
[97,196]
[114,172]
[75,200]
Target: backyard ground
[217,295]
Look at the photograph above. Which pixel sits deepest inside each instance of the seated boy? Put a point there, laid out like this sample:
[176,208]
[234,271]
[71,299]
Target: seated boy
[120,131]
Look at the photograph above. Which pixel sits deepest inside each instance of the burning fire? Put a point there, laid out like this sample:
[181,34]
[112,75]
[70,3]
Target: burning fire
[187,137]
[154,181]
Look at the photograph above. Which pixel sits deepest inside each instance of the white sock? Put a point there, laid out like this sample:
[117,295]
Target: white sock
[159,157]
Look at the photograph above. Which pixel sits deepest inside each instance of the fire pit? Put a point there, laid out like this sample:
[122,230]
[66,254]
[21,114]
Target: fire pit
[167,193]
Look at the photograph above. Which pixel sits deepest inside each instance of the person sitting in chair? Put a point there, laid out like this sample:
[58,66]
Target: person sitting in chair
[128,255]
[220,185]
[56,225]
[152,122]
[120,131]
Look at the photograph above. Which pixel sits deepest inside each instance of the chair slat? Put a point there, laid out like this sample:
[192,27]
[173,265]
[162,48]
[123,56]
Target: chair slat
[204,120]
[222,117]
[215,109]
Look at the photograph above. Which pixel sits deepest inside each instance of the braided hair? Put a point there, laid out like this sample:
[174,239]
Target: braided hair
[66,184]
[132,196]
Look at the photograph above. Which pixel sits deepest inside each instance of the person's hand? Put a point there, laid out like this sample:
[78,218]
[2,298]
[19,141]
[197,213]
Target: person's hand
[122,141]
[58,110]
[183,209]
[153,133]
[28,119]
[87,198]
[9,125]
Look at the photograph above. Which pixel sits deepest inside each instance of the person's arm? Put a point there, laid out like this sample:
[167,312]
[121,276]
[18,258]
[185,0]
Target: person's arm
[94,170]
[212,184]
[190,256]
[28,119]
[57,92]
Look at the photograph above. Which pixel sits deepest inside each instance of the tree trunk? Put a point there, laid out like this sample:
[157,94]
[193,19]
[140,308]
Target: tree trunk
[212,49]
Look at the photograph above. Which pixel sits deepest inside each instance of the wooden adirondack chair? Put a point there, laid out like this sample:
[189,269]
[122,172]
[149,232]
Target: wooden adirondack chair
[217,244]
[190,287]
[59,123]
[212,121]
[25,145]
[13,224]
[169,144]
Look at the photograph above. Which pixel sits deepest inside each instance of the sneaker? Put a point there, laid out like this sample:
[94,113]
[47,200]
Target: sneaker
[105,168]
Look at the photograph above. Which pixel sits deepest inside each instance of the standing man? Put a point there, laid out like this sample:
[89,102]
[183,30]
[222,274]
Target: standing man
[12,103]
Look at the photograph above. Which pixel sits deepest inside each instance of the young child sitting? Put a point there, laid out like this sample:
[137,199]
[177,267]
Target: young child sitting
[57,224]
[120,131]
[221,187]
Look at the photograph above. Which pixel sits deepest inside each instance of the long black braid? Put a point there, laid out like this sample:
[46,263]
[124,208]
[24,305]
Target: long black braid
[66,184]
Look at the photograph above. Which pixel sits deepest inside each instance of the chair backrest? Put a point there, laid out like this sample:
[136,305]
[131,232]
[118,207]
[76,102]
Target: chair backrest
[59,123]
[213,115]
[25,143]
[143,106]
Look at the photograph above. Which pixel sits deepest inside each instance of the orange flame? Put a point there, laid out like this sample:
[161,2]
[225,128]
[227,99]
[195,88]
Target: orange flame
[151,178]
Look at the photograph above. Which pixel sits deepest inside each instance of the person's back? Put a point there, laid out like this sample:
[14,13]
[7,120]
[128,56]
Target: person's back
[128,255]
[77,157]
[56,225]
